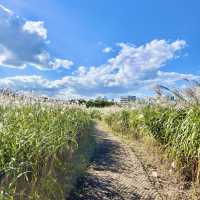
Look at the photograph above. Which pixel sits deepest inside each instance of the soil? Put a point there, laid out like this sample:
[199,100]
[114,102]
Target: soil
[115,173]
[161,171]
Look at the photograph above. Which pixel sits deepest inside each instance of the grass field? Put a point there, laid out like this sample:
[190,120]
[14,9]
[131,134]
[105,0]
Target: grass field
[176,130]
[46,146]
[42,150]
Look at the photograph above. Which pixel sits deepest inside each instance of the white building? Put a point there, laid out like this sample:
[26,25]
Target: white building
[127,99]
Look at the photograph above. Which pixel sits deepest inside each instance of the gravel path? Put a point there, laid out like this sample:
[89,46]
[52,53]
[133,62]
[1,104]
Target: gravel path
[115,173]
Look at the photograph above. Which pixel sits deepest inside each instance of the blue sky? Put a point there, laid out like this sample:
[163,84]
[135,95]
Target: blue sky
[103,47]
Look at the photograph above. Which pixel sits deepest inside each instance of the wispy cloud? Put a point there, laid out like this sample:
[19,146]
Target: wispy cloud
[6,10]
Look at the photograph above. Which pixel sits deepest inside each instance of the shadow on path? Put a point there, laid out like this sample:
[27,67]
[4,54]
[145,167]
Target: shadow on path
[105,178]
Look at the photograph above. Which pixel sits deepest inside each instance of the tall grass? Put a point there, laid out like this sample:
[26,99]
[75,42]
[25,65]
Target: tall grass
[37,148]
[177,130]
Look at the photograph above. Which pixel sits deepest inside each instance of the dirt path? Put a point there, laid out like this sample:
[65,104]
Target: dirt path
[115,173]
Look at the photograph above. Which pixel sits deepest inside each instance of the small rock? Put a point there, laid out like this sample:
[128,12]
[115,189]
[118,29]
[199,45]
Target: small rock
[155,174]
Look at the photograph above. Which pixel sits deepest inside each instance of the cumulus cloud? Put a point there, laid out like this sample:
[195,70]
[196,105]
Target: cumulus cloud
[128,68]
[61,62]
[169,79]
[132,69]
[35,27]
[26,83]
[24,43]
[68,87]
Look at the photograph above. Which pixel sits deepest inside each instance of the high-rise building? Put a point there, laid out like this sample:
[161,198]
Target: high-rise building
[127,99]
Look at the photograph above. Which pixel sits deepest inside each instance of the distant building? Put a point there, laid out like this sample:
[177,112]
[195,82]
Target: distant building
[171,98]
[131,98]
[127,99]
[124,100]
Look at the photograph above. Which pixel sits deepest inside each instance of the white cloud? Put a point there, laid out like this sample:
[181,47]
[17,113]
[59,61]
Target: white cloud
[4,54]
[6,10]
[68,87]
[132,69]
[29,83]
[82,70]
[130,65]
[146,57]
[24,43]
[61,62]
[107,50]
[169,79]
[176,76]
[36,27]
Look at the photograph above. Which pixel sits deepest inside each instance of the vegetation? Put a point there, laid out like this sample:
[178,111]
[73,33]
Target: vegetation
[42,150]
[178,131]
[99,103]
[176,128]
[95,114]
[45,146]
